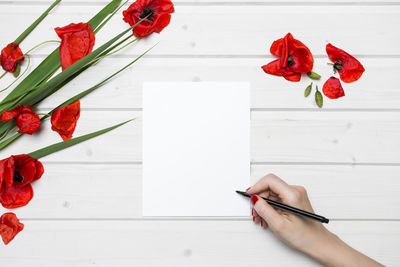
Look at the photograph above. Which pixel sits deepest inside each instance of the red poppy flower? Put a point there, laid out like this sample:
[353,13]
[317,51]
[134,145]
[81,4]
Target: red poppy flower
[63,120]
[77,40]
[294,59]
[27,121]
[349,68]
[332,88]
[9,227]
[157,13]
[10,56]
[16,175]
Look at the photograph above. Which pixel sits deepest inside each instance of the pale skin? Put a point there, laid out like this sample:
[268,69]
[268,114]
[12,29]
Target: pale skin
[305,235]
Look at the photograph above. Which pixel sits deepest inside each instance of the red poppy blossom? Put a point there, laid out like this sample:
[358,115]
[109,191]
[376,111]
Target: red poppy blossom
[27,121]
[63,120]
[77,41]
[294,59]
[349,68]
[158,13]
[16,175]
[9,227]
[332,88]
[10,56]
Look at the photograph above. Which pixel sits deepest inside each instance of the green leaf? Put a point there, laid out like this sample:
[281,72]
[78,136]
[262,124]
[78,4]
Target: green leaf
[17,70]
[314,75]
[45,70]
[62,145]
[318,98]
[35,23]
[50,65]
[308,90]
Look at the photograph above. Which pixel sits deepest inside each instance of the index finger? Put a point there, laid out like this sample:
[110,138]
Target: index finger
[273,183]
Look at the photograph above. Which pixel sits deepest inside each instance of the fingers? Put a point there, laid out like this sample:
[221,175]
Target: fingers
[273,185]
[266,212]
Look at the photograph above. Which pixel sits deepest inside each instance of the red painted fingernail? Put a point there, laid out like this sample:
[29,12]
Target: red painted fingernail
[248,189]
[252,212]
[254,199]
[262,223]
[254,219]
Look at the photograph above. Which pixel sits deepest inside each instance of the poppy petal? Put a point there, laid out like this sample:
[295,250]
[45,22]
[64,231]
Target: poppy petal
[332,88]
[15,197]
[64,119]
[7,171]
[9,227]
[10,56]
[28,123]
[351,69]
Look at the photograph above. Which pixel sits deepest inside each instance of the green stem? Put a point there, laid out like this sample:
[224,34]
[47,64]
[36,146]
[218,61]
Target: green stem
[35,23]
[4,74]
[27,67]
[36,46]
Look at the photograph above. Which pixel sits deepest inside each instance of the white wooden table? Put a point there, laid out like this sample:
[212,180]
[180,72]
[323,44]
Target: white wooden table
[87,207]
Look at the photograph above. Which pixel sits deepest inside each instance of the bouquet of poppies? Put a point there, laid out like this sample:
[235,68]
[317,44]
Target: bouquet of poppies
[295,59]
[74,55]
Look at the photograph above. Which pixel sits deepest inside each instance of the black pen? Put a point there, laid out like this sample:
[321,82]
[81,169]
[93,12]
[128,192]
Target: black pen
[294,210]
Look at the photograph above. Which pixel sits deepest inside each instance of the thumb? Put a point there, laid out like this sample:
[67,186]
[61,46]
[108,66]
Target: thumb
[266,211]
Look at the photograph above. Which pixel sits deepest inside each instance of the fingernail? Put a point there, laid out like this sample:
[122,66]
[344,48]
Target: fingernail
[254,199]
[262,223]
[248,189]
[254,219]
[252,212]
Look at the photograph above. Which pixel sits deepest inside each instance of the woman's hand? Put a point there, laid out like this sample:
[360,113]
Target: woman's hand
[303,234]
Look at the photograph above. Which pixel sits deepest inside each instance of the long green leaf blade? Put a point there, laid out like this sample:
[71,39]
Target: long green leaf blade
[35,23]
[62,145]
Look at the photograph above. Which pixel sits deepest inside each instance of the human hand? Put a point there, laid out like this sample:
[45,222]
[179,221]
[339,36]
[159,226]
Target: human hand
[301,233]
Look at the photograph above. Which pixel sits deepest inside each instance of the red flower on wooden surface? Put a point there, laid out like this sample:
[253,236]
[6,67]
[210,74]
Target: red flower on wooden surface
[77,41]
[27,121]
[294,59]
[349,68]
[9,227]
[16,175]
[10,56]
[158,13]
[64,119]
[332,88]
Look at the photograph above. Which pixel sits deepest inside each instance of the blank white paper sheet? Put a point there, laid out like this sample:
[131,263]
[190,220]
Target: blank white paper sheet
[196,143]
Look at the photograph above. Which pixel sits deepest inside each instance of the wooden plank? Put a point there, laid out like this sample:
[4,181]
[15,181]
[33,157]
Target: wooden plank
[179,243]
[195,30]
[277,136]
[226,2]
[377,89]
[89,191]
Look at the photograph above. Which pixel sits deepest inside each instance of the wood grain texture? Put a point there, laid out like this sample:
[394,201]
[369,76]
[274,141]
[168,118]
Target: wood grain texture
[114,191]
[179,243]
[276,136]
[376,90]
[195,30]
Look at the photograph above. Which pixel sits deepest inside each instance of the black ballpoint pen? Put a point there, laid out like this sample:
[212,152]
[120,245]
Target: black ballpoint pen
[294,210]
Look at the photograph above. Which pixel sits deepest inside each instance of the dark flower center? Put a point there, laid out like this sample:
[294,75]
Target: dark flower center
[338,65]
[18,177]
[290,61]
[147,12]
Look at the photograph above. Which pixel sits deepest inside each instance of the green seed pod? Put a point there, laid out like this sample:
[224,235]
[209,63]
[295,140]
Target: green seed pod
[308,90]
[318,98]
[314,75]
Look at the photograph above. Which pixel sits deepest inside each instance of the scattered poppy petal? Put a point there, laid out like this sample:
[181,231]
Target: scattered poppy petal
[9,227]
[77,41]
[158,13]
[6,172]
[294,59]
[349,68]
[15,197]
[332,88]
[10,56]
[63,120]
[26,120]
